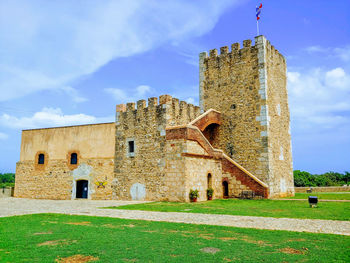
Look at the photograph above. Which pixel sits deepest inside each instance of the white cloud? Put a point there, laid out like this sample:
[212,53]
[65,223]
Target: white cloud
[190,100]
[319,99]
[47,44]
[343,53]
[73,93]
[3,136]
[140,92]
[49,117]
[339,52]
[313,49]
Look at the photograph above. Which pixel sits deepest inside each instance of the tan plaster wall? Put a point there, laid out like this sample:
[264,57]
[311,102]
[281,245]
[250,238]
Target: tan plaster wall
[92,141]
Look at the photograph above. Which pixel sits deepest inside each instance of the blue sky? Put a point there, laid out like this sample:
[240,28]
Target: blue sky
[71,62]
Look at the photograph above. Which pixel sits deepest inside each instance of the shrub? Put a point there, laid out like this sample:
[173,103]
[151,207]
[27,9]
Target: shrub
[305,179]
[194,194]
[210,192]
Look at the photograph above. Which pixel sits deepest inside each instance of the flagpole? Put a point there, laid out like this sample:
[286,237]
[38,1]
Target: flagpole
[258,11]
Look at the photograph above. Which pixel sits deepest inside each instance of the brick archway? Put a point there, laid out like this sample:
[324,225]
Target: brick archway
[208,123]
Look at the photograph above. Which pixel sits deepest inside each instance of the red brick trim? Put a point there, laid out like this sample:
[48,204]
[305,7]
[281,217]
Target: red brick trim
[197,156]
[228,165]
[209,117]
[245,179]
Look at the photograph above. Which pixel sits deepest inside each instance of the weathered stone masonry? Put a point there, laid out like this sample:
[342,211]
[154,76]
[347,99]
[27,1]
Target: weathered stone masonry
[237,140]
[56,178]
[248,86]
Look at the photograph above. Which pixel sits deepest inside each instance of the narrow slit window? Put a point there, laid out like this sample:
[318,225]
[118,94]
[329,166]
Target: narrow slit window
[131,147]
[73,158]
[41,158]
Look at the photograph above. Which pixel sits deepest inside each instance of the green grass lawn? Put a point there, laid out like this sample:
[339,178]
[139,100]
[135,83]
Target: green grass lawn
[50,237]
[266,208]
[325,196]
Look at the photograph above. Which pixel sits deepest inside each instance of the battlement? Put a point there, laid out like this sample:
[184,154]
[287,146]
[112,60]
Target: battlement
[240,53]
[170,111]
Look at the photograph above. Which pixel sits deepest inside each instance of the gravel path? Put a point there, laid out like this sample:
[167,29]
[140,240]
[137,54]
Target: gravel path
[19,206]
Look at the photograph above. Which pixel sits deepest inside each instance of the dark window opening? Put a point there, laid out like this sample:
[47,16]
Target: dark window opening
[73,158]
[41,158]
[131,146]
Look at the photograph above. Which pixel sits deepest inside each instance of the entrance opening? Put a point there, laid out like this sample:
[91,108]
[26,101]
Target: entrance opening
[211,132]
[225,189]
[82,189]
[209,181]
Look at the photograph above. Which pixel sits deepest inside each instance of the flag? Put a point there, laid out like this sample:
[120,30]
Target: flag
[258,11]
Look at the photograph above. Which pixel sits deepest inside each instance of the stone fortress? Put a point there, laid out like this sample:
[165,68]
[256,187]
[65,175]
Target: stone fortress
[237,141]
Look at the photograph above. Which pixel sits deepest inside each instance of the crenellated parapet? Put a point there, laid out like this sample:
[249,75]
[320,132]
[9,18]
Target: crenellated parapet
[238,53]
[169,112]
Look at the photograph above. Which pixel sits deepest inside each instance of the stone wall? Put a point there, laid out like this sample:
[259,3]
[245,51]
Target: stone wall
[243,85]
[229,83]
[58,181]
[192,158]
[6,192]
[188,166]
[56,177]
[142,175]
[281,181]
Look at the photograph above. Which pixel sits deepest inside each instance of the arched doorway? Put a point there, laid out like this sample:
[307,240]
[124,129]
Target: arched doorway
[82,189]
[209,179]
[211,132]
[225,189]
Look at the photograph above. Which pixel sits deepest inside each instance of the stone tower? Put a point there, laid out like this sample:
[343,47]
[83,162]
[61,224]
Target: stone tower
[249,87]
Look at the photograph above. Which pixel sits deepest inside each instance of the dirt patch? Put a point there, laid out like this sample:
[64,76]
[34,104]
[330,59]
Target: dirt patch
[277,210]
[130,260]
[110,226]
[253,241]
[130,225]
[211,250]
[289,250]
[84,223]
[42,233]
[227,238]
[150,231]
[206,236]
[57,242]
[76,259]
[50,222]
[297,239]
